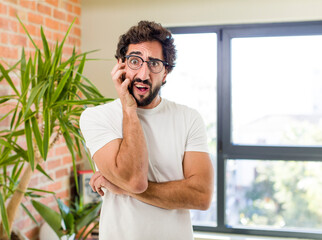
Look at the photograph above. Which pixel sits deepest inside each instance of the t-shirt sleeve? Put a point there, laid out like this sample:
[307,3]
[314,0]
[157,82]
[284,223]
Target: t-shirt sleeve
[197,135]
[97,129]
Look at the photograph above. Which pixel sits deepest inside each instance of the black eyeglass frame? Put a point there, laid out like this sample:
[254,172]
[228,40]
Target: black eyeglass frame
[148,62]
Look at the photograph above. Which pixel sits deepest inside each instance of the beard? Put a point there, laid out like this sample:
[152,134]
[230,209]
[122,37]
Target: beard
[153,92]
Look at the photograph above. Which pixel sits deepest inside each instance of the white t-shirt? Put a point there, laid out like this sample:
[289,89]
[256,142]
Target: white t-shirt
[170,130]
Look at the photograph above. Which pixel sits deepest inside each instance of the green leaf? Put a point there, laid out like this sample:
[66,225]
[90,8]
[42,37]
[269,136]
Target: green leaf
[33,94]
[29,214]
[83,102]
[61,85]
[52,217]
[7,77]
[4,216]
[37,134]
[46,132]
[23,26]
[80,69]
[40,190]
[29,144]
[45,43]
[39,168]
[69,143]
[89,217]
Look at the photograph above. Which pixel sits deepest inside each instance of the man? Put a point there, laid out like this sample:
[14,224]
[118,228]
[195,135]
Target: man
[151,153]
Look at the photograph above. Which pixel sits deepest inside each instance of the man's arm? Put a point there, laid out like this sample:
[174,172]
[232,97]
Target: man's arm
[193,192]
[124,162]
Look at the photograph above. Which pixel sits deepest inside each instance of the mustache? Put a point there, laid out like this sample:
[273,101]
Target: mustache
[138,80]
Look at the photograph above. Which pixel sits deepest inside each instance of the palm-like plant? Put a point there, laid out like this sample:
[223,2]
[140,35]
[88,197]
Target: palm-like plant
[46,105]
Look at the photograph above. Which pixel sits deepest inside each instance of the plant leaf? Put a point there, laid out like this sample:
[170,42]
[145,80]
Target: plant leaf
[45,43]
[35,129]
[4,216]
[23,26]
[7,77]
[52,217]
[39,168]
[89,217]
[29,214]
[29,144]
[61,85]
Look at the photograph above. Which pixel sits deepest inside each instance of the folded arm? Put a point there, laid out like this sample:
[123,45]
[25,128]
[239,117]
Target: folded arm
[193,192]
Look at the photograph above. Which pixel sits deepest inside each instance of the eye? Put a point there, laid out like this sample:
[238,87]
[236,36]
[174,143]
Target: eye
[135,61]
[154,63]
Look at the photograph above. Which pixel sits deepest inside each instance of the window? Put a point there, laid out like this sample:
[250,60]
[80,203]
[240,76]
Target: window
[193,83]
[259,90]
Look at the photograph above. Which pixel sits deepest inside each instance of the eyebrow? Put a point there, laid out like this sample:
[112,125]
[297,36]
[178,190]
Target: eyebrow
[140,54]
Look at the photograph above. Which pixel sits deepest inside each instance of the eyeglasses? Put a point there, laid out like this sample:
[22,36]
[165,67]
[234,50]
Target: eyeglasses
[155,65]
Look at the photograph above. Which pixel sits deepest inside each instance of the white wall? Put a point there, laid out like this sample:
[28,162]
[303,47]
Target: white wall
[103,21]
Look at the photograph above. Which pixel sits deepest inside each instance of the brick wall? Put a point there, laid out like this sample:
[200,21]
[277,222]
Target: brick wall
[55,16]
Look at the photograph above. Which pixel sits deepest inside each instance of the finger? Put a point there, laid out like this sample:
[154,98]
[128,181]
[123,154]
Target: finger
[100,192]
[125,85]
[93,179]
[117,67]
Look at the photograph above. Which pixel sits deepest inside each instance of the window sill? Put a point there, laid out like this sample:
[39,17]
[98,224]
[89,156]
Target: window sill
[222,236]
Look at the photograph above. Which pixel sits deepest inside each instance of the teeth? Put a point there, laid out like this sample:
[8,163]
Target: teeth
[140,86]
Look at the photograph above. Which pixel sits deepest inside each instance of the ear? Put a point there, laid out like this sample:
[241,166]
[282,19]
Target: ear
[164,76]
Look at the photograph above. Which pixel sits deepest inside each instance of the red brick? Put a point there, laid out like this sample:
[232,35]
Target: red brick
[33,232]
[67,160]
[44,9]
[34,182]
[53,24]
[53,164]
[33,31]
[12,11]
[77,31]
[63,194]
[3,9]
[18,40]
[43,178]
[77,10]
[61,150]
[8,24]
[4,23]
[61,173]
[4,38]
[70,19]
[9,52]
[24,223]
[28,4]
[13,1]
[54,187]
[75,1]
[35,18]
[59,15]
[58,37]
[52,2]
[68,7]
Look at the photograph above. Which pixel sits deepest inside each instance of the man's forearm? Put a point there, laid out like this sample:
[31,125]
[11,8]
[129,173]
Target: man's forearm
[182,194]
[132,159]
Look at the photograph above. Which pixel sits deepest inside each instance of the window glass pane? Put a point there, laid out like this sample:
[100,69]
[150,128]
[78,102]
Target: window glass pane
[193,83]
[277,90]
[274,194]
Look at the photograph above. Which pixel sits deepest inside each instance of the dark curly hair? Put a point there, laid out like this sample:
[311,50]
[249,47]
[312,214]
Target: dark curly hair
[148,31]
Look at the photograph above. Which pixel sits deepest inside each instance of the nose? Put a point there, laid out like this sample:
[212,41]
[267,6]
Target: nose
[143,72]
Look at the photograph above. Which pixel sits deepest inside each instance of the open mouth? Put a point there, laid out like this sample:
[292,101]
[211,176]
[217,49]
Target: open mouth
[141,88]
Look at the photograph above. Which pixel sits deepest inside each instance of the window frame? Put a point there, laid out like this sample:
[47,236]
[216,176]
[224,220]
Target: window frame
[225,148]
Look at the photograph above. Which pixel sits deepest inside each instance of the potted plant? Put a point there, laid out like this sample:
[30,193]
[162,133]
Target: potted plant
[46,106]
[77,220]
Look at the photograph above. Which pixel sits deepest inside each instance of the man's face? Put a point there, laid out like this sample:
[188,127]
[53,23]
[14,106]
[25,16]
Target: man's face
[145,85]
